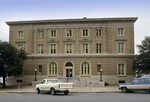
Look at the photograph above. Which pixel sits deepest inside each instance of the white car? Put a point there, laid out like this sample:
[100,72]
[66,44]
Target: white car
[142,83]
[54,86]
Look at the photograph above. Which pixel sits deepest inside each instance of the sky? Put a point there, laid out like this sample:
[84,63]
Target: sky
[20,10]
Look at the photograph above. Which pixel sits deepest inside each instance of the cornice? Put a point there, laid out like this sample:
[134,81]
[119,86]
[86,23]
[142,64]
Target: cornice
[84,20]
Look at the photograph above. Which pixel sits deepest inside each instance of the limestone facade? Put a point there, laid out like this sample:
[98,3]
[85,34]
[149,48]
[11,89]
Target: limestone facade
[82,50]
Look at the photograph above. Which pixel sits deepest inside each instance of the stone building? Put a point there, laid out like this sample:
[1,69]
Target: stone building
[82,50]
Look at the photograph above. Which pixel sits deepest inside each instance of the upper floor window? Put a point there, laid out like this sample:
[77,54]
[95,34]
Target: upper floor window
[69,33]
[52,48]
[85,33]
[120,47]
[98,32]
[53,34]
[40,48]
[20,35]
[121,69]
[40,34]
[120,32]
[85,48]
[98,48]
[68,48]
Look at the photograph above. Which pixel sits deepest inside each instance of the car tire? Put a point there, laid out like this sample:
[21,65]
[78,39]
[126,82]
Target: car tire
[38,91]
[124,90]
[66,92]
[53,92]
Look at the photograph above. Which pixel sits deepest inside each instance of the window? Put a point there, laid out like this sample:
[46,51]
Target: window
[40,34]
[53,34]
[98,48]
[53,69]
[120,32]
[20,46]
[98,32]
[40,48]
[68,33]
[52,48]
[39,69]
[68,48]
[85,69]
[121,70]
[121,47]
[20,35]
[99,67]
[85,48]
[85,33]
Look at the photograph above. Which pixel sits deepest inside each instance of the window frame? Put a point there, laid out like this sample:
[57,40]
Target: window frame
[40,49]
[70,50]
[53,33]
[52,47]
[121,70]
[20,35]
[85,48]
[85,69]
[98,32]
[53,69]
[40,69]
[98,48]
[120,31]
[85,32]
[40,34]
[120,47]
[70,33]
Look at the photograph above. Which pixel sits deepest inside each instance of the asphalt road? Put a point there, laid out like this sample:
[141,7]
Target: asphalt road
[75,97]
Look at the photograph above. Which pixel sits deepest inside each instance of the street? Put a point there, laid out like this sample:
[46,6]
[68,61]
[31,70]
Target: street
[75,97]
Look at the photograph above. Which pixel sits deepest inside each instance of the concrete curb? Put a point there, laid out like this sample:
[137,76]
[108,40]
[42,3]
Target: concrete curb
[31,89]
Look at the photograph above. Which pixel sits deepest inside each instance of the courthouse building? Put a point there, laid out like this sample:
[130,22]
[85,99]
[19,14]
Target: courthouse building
[81,50]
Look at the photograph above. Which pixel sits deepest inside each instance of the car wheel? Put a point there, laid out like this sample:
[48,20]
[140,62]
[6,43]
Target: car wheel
[53,92]
[124,90]
[38,91]
[66,92]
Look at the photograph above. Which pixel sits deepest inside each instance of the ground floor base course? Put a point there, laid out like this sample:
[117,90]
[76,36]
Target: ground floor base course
[86,81]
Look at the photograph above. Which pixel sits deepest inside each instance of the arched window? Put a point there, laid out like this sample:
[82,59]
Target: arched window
[53,68]
[85,69]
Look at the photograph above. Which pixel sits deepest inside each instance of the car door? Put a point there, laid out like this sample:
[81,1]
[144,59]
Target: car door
[134,84]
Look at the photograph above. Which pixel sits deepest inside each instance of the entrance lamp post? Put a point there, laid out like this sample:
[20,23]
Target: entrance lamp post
[35,70]
[101,74]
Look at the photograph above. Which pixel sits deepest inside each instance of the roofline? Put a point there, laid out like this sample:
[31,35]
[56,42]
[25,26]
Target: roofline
[83,20]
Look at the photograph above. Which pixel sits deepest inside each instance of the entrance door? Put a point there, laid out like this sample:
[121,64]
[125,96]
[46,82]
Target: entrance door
[68,72]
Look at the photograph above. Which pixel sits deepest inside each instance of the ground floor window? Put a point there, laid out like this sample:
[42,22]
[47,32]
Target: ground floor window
[53,69]
[121,69]
[85,69]
[39,69]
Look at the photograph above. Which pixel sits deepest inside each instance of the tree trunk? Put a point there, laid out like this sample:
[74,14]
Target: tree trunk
[4,77]
[4,81]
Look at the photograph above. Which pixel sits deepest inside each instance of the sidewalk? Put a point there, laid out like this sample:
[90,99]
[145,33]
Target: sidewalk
[30,89]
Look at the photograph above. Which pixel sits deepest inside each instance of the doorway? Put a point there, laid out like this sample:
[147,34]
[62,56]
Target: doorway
[69,70]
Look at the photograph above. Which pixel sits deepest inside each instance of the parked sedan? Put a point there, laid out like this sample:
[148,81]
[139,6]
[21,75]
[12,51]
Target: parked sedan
[142,83]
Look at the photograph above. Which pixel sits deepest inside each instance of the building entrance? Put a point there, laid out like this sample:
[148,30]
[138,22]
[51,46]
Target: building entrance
[69,70]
